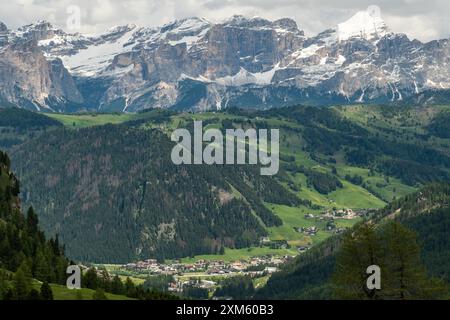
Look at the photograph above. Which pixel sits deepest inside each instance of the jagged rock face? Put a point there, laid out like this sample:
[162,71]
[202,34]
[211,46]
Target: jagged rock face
[197,65]
[254,45]
[29,79]
[36,32]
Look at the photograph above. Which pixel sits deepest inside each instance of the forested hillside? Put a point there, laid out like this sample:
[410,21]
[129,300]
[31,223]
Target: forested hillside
[106,184]
[426,212]
[18,125]
[33,268]
[386,140]
[23,246]
[113,195]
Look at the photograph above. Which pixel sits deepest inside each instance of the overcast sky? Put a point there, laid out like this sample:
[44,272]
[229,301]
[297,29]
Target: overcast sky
[424,20]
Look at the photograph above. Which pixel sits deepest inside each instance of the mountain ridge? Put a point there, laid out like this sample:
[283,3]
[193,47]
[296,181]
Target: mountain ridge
[239,62]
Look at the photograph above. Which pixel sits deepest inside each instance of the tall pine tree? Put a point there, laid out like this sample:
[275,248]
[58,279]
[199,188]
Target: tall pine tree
[394,249]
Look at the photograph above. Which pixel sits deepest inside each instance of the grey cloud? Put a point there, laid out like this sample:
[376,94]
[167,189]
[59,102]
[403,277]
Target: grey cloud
[425,20]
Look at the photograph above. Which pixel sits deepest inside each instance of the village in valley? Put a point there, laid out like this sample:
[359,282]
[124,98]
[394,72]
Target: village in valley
[255,266]
[203,273]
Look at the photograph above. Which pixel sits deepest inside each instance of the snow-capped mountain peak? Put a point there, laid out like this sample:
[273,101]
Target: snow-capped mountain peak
[195,64]
[364,24]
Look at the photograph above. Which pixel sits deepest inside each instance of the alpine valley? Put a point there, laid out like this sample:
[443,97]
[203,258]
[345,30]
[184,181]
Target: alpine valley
[105,184]
[85,132]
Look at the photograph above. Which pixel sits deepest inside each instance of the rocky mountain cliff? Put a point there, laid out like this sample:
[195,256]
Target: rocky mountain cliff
[193,64]
[28,78]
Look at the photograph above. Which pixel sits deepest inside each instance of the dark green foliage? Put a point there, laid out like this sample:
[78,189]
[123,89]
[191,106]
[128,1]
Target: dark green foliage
[355,179]
[412,163]
[306,277]
[23,247]
[287,158]
[101,282]
[394,249]
[22,282]
[440,126]
[46,291]
[326,132]
[135,202]
[324,183]
[5,278]
[90,279]
[17,125]
[120,180]
[155,116]
[426,212]
[24,119]
[117,285]
[194,292]
[436,243]
[411,172]
[158,283]
[238,288]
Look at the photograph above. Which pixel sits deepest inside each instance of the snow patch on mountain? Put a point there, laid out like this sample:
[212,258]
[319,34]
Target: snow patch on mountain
[244,77]
[144,67]
[96,58]
[189,40]
[364,24]
[306,52]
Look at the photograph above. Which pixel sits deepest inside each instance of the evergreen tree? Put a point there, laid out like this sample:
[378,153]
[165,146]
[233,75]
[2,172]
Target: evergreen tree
[90,279]
[129,288]
[117,285]
[360,249]
[406,277]
[32,221]
[394,249]
[239,287]
[46,291]
[23,247]
[105,280]
[22,282]
[42,268]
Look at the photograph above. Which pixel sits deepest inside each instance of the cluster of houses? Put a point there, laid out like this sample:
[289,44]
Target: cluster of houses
[264,264]
[346,213]
[310,231]
[178,286]
[274,244]
[328,216]
[340,213]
